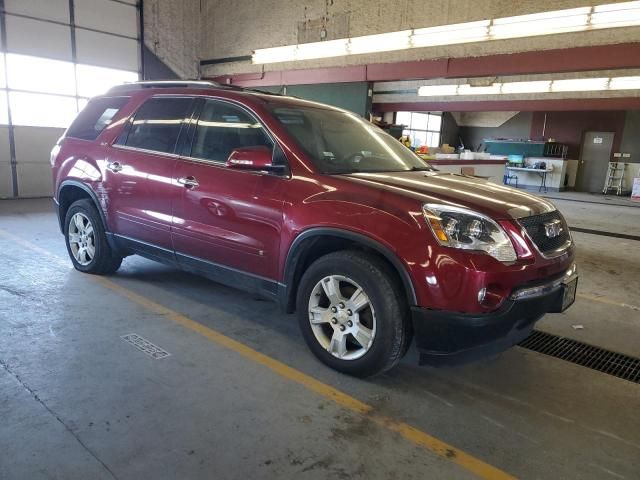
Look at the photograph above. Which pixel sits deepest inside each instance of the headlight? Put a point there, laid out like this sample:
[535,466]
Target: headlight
[461,228]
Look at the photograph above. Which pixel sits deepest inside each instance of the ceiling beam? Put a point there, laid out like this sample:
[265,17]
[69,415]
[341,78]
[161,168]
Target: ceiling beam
[604,57]
[569,104]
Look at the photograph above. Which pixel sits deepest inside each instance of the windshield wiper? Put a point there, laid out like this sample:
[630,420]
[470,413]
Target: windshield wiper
[420,169]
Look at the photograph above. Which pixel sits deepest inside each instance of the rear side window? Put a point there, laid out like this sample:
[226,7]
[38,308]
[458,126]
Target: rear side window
[156,125]
[95,117]
[223,127]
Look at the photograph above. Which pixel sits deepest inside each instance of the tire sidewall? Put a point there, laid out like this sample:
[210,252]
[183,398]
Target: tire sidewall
[384,298]
[84,207]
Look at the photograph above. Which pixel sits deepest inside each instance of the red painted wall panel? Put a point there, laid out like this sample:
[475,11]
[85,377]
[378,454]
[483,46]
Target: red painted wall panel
[514,105]
[569,127]
[626,55]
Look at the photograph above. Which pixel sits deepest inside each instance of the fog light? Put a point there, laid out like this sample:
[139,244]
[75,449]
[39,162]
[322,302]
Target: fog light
[481,294]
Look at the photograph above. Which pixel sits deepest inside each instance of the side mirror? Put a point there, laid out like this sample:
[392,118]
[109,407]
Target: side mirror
[251,158]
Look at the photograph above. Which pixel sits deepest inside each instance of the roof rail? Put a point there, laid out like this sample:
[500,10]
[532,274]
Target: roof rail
[125,87]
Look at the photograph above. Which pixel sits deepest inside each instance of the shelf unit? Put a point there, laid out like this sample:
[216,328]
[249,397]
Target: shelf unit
[526,148]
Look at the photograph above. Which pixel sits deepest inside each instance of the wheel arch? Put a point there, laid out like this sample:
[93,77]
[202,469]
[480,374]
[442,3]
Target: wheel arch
[316,242]
[69,192]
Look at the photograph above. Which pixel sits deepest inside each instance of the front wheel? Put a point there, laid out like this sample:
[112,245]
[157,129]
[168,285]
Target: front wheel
[352,313]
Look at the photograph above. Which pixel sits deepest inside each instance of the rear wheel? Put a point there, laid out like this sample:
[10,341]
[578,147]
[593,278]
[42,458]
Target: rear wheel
[352,313]
[86,240]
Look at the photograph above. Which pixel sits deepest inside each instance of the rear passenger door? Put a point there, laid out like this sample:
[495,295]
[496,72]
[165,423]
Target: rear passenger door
[140,169]
[228,218]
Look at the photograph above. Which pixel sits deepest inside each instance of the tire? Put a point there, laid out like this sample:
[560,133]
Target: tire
[377,335]
[84,231]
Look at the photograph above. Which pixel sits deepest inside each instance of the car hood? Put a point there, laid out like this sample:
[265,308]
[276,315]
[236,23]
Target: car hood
[497,201]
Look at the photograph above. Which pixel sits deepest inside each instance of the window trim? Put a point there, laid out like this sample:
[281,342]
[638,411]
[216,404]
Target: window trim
[144,150]
[123,136]
[188,134]
[195,118]
[194,127]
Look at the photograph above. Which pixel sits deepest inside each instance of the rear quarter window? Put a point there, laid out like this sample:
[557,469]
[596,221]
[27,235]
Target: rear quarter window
[95,117]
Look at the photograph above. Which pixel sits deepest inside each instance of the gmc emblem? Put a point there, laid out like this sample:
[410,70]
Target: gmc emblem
[553,229]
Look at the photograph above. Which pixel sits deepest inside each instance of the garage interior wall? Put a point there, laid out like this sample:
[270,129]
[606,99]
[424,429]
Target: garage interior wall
[564,127]
[233,29]
[54,56]
[354,96]
[518,126]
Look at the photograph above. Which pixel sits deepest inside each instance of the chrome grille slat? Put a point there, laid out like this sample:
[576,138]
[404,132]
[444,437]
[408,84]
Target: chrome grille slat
[534,226]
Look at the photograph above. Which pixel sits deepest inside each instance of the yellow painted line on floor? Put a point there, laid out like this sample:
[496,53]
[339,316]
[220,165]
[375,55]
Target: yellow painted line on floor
[607,301]
[414,435]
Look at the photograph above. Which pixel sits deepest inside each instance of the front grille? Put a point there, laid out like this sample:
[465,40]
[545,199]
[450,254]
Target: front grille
[535,227]
[595,358]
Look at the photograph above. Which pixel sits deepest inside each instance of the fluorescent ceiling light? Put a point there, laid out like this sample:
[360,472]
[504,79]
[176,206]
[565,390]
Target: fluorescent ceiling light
[625,83]
[331,48]
[438,90]
[382,42]
[275,54]
[450,34]
[467,89]
[545,23]
[616,15]
[579,85]
[538,86]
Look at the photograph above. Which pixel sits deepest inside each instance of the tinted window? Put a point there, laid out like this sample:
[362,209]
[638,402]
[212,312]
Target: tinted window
[157,124]
[341,142]
[223,127]
[95,117]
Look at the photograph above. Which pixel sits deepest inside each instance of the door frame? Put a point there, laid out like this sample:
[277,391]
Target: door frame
[183,151]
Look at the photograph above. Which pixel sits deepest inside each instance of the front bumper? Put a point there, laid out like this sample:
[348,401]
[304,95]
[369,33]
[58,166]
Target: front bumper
[450,338]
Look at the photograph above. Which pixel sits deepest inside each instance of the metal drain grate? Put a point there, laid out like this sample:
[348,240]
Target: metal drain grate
[595,358]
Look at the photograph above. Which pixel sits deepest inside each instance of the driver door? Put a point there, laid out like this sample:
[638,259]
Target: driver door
[227,220]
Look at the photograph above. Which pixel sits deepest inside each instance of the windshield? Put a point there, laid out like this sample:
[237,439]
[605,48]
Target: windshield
[340,142]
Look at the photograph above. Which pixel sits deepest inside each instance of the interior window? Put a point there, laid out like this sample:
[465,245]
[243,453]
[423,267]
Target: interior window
[95,117]
[157,124]
[421,128]
[223,127]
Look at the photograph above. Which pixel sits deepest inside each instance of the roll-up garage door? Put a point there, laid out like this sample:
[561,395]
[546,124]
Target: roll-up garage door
[54,56]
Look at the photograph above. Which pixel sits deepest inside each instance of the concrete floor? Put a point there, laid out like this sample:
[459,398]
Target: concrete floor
[585,197]
[77,402]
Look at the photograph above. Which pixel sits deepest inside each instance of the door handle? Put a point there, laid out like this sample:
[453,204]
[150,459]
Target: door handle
[188,182]
[115,166]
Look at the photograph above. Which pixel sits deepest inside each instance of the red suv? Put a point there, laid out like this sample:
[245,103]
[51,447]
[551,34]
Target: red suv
[317,209]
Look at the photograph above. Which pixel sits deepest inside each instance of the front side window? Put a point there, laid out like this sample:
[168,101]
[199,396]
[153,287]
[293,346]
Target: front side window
[223,127]
[156,125]
[95,117]
[341,142]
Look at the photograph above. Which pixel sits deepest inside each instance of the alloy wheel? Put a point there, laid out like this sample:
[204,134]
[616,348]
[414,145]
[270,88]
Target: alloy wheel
[82,239]
[342,317]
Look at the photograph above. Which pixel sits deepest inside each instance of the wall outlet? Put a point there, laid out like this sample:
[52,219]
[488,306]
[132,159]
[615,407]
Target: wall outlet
[626,155]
